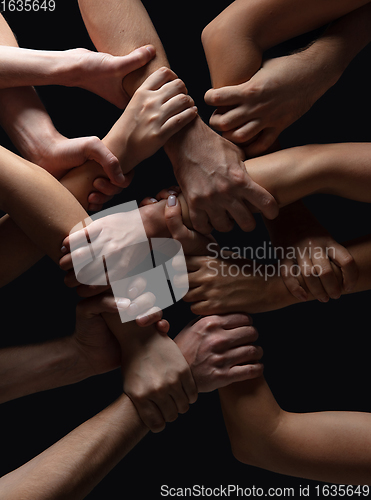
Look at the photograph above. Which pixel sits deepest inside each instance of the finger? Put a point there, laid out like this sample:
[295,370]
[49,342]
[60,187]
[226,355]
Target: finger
[138,58]
[180,280]
[327,276]
[147,201]
[171,89]
[200,220]
[105,187]
[205,307]
[136,287]
[189,387]
[221,220]
[290,272]
[240,213]
[152,316]
[141,304]
[193,262]
[96,199]
[65,262]
[225,96]
[244,133]
[262,142]
[343,259]
[158,78]
[176,105]
[94,208]
[262,200]
[177,122]
[90,290]
[93,273]
[311,279]
[163,326]
[97,151]
[167,406]
[174,221]
[150,414]
[245,372]
[78,257]
[165,193]
[235,320]
[243,355]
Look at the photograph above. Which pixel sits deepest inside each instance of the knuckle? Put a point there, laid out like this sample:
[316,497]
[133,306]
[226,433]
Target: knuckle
[348,261]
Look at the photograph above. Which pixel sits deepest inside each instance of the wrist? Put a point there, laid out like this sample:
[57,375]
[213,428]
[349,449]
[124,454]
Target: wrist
[75,363]
[192,134]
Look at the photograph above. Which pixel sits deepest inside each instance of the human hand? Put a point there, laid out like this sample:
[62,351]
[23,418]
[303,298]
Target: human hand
[103,74]
[118,239]
[310,259]
[156,377]
[213,179]
[254,113]
[220,350]
[58,154]
[222,285]
[193,243]
[159,108]
[176,218]
[92,338]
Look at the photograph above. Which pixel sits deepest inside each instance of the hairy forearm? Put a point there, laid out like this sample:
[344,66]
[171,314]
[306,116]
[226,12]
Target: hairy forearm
[324,446]
[33,368]
[341,42]
[234,56]
[118,28]
[73,466]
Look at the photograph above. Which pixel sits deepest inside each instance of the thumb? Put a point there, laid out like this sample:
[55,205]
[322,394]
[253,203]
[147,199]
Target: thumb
[173,218]
[138,58]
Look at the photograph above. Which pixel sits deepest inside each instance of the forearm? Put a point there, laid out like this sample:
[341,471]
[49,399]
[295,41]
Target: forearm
[73,466]
[279,296]
[258,26]
[324,446]
[118,28]
[338,169]
[40,367]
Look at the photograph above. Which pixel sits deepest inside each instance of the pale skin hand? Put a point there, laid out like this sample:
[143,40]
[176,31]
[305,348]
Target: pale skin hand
[27,122]
[208,168]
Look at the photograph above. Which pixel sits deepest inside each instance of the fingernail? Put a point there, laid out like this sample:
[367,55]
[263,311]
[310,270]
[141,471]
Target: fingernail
[171,201]
[123,303]
[151,49]
[324,299]
[133,292]
[302,296]
[133,309]
[143,319]
[63,249]
[153,200]
[120,178]
[171,191]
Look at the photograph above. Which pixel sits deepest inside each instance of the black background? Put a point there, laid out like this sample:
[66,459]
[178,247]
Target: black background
[316,355]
